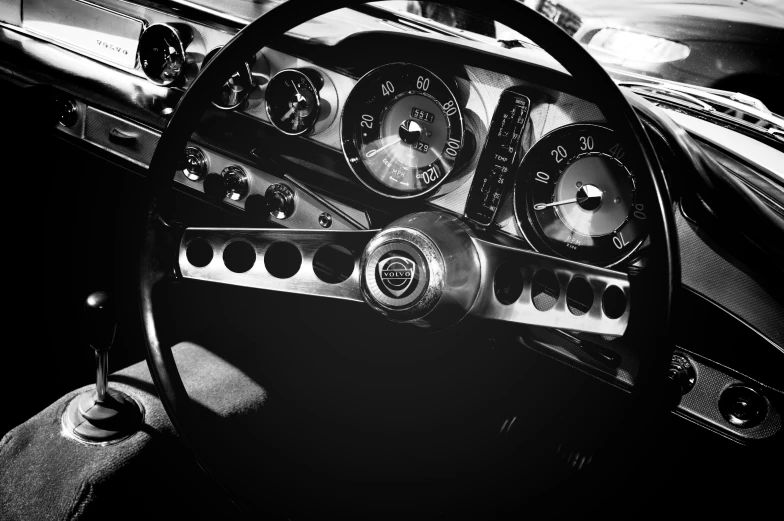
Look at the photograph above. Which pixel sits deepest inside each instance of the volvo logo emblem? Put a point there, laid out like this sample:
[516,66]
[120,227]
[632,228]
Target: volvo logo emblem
[396,273]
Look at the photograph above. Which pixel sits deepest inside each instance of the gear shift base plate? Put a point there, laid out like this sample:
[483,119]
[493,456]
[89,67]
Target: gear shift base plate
[94,422]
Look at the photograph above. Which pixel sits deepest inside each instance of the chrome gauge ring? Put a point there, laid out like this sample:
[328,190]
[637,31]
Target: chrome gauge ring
[402,130]
[576,195]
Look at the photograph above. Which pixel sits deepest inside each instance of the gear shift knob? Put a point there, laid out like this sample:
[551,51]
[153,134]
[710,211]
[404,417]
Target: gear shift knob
[101,320]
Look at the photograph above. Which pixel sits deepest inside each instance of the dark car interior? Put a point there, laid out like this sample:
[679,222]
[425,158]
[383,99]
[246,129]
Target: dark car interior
[386,271]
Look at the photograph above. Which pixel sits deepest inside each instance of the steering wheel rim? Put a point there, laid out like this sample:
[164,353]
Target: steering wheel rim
[161,236]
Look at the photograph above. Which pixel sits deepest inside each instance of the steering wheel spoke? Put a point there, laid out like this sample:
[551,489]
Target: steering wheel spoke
[309,262]
[531,288]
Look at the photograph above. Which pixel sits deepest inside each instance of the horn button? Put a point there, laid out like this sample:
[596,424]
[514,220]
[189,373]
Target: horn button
[423,269]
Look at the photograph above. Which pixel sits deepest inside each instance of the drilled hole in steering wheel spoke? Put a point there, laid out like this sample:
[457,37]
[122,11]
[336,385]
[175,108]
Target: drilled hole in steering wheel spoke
[333,264]
[508,283]
[239,257]
[282,260]
[579,296]
[545,290]
[199,253]
[614,302]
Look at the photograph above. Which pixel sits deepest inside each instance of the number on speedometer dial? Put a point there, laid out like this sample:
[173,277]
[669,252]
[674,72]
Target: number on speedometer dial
[402,130]
[576,195]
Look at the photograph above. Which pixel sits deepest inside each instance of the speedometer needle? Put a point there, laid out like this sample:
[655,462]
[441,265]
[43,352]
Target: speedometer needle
[542,206]
[371,153]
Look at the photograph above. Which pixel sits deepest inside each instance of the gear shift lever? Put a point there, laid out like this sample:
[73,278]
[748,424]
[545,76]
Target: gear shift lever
[102,415]
[101,326]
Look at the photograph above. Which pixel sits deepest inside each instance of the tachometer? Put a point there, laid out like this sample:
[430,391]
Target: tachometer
[402,130]
[576,195]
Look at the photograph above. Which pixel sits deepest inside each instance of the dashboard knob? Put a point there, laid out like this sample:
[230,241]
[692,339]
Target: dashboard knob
[280,201]
[742,406]
[681,377]
[67,111]
[194,164]
[236,182]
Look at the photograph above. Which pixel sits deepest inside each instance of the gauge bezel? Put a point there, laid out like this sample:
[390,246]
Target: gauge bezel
[180,48]
[316,113]
[245,69]
[522,203]
[348,136]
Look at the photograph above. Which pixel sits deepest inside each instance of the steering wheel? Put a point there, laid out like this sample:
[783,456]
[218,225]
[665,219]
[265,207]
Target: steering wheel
[453,269]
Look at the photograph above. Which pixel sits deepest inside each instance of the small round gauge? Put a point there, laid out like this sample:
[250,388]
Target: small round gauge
[236,90]
[292,100]
[162,52]
[576,196]
[402,130]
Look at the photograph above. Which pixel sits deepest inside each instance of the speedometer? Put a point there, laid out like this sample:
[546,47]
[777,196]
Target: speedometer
[402,130]
[576,195]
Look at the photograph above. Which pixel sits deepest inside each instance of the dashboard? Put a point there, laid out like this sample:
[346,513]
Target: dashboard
[314,133]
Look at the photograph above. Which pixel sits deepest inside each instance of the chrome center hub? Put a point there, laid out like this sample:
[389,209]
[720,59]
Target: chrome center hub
[422,269]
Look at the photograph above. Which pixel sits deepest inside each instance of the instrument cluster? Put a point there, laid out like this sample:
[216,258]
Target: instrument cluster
[574,192]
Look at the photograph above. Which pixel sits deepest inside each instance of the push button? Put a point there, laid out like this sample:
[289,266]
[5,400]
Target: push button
[742,406]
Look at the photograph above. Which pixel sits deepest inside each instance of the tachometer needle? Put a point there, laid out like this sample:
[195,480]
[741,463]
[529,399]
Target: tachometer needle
[542,206]
[589,197]
[371,153]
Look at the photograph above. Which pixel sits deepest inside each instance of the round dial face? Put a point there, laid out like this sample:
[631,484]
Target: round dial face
[402,130]
[576,195]
[292,102]
[161,54]
[236,90]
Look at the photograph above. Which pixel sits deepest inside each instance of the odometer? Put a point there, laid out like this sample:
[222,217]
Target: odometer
[576,195]
[402,130]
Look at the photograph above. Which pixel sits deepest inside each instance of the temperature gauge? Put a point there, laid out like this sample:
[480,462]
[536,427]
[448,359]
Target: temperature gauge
[497,163]
[292,100]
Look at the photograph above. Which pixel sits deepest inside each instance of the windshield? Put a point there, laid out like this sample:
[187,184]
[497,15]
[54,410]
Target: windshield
[729,45]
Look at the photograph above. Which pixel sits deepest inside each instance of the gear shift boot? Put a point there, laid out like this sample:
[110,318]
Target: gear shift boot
[110,421]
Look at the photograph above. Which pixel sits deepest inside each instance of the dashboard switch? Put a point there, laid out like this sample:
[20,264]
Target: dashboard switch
[280,201]
[742,406]
[682,373]
[194,164]
[681,377]
[67,111]
[236,182]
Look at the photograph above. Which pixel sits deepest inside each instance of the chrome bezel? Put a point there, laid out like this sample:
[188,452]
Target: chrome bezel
[180,47]
[245,69]
[519,222]
[204,165]
[317,98]
[343,138]
[243,180]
